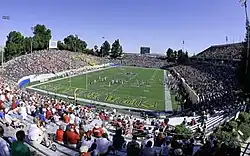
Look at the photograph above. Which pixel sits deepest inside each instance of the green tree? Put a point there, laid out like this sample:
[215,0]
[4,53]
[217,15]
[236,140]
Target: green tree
[73,43]
[182,132]
[233,125]
[229,137]
[116,49]
[61,45]
[90,51]
[170,54]
[244,117]
[27,44]
[15,45]
[175,55]
[105,49]
[41,38]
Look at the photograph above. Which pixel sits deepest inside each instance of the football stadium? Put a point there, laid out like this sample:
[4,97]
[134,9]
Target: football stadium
[116,86]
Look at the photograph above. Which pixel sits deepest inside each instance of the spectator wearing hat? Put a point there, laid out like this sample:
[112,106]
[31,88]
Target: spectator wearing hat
[133,147]
[4,146]
[18,148]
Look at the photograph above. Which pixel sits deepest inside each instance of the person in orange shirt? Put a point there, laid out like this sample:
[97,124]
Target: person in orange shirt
[66,118]
[72,137]
[59,134]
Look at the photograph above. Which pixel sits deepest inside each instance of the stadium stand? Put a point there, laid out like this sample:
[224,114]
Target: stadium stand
[226,51]
[70,129]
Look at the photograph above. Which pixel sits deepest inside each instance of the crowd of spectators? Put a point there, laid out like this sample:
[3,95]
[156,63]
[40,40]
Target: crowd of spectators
[77,130]
[215,85]
[102,132]
[227,51]
[45,61]
[140,61]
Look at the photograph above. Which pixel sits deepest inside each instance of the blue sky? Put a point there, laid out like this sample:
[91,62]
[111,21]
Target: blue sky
[159,24]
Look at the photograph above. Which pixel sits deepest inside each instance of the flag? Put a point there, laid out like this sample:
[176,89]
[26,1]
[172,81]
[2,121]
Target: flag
[183,42]
[243,3]
[6,17]
[226,38]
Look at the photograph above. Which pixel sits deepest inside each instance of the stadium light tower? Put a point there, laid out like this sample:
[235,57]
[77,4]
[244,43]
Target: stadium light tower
[102,51]
[5,18]
[244,4]
[31,42]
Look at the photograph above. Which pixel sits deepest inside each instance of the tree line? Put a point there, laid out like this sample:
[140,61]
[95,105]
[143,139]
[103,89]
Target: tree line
[177,56]
[17,44]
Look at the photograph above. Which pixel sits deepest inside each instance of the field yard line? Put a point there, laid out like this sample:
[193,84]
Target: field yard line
[168,102]
[153,76]
[119,86]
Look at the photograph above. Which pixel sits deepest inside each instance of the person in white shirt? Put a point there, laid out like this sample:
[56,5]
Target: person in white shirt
[28,107]
[36,134]
[103,144]
[4,147]
[22,111]
[77,120]
[87,141]
[72,118]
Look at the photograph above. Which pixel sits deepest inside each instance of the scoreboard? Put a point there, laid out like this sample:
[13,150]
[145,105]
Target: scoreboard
[145,50]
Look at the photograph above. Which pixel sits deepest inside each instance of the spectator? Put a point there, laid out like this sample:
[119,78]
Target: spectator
[149,137]
[93,150]
[4,147]
[87,141]
[36,134]
[18,148]
[165,148]
[118,140]
[103,144]
[59,134]
[72,137]
[133,147]
[84,151]
[97,131]
[148,150]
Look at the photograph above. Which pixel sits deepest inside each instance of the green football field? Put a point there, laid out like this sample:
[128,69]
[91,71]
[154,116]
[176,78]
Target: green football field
[126,86]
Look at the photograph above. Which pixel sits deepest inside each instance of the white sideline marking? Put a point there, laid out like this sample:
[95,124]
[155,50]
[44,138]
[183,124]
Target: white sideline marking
[168,102]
